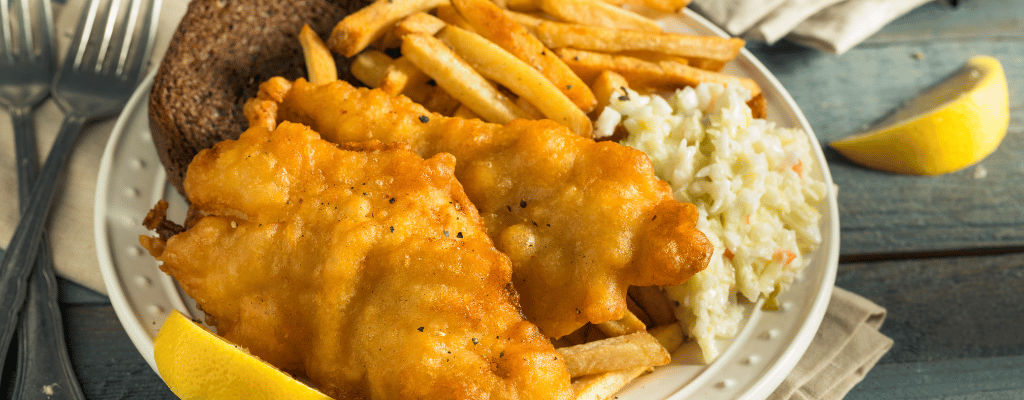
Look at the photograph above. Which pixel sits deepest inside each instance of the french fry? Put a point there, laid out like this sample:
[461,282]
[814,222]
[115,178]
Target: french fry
[696,62]
[528,21]
[464,113]
[665,75]
[628,324]
[389,40]
[654,303]
[492,23]
[531,111]
[588,65]
[521,5]
[583,37]
[403,77]
[670,336]
[638,349]
[587,333]
[458,78]
[496,64]
[356,31]
[639,312]
[704,63]
[659,57]
[608,84]
[598,13]
[420,22]
[670,6]
[604,386]
[758,106]
[320,65]
[441,102]
[449,14]
[369,66]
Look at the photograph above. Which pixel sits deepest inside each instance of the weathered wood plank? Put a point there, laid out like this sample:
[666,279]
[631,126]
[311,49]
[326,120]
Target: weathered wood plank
[106,361]
[74,294]
[989,19]
[883,213]
[975,378]
[947,308]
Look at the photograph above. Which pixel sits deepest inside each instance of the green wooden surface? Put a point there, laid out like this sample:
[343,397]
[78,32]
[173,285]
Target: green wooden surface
[987,20]
[107,364]
[977,378]
[945,308]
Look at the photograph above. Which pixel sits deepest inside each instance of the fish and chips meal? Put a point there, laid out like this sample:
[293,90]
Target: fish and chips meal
[515,199]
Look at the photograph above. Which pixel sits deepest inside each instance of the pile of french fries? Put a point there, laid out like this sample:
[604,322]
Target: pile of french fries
[556,59]
[562,60]
[603,358]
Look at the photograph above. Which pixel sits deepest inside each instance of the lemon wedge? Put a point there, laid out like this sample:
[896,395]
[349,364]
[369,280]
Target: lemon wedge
[951,126]
[197,364]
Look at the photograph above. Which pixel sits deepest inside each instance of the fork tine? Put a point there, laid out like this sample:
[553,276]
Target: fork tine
[122,39]
[80,43]
[25,49]
[44,25]
[134,64]
[6,45]
[113,15]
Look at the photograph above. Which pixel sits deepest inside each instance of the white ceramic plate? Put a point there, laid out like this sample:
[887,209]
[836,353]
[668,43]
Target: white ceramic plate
[132,180]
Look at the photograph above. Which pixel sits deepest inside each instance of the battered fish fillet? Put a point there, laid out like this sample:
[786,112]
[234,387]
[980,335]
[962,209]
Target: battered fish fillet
[581,220]
[362,267]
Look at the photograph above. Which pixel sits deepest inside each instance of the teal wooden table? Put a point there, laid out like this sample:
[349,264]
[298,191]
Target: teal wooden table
[944,255]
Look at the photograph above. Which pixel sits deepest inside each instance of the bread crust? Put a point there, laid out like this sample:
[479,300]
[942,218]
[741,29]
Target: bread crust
[220,53]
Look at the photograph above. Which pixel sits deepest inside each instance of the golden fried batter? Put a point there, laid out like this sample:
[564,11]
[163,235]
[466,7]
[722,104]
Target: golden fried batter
[581,220]
[367,271]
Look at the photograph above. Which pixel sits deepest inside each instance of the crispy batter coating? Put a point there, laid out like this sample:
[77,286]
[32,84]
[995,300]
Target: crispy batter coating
[367,271]
[581,220]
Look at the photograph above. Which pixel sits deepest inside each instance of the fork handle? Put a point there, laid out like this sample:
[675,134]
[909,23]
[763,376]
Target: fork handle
[44,369]
[25,243]
[25,145]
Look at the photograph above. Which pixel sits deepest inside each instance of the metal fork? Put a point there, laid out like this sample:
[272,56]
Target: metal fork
[27,67]
[98,75]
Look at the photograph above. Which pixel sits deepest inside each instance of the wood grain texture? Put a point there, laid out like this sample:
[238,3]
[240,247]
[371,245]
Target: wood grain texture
[945,308]
[884,213]
[972,19]
[106,361]
[975,378]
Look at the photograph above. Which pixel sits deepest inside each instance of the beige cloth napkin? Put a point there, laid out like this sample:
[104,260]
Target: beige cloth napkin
[846,347]
[829,25]
[71,227]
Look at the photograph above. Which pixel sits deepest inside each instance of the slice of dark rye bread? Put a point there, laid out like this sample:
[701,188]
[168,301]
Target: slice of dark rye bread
[220,53]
